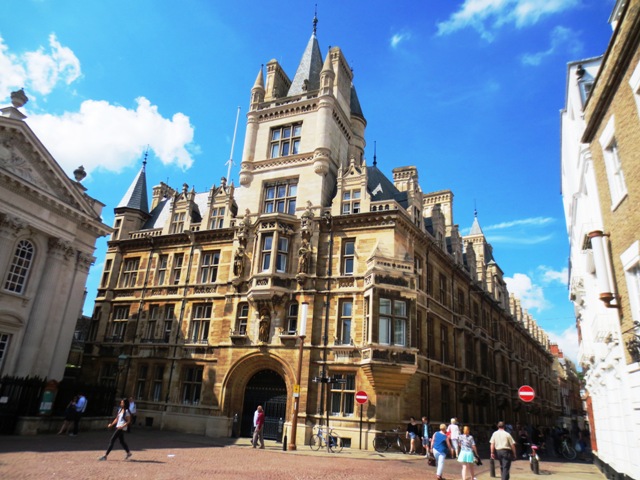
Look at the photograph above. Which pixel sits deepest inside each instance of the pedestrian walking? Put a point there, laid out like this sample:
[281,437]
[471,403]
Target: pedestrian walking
[258,432]
[503,448]
[453,432]
[440,445]
[134,413]
[413,433]
[121,422]
[69,416]
[467,453]
[426,436]
[81,406]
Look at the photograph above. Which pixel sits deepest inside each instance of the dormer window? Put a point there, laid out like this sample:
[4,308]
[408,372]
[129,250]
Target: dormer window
[177,222]
[216,219]
[351,202]
[285,140]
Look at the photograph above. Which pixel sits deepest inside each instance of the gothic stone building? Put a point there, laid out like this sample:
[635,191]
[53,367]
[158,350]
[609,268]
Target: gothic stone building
[48,231]
[204,295]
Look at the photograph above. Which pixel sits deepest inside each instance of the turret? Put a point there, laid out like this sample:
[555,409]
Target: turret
[133,210]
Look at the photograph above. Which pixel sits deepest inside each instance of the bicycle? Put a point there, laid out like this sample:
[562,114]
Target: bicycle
[319,440]
[534,458]
[567,450]
[385,440]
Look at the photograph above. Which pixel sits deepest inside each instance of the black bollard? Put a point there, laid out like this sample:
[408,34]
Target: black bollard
[492,468]
[284,444]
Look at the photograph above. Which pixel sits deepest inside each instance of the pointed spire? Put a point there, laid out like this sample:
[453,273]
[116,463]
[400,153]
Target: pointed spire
[136,196]
[354,103]
[315,20]
[375,158]
[327,68]
[259,79]
[307,78]
[475,228]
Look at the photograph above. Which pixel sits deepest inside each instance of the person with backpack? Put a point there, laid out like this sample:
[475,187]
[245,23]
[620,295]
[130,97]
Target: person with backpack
[121,422]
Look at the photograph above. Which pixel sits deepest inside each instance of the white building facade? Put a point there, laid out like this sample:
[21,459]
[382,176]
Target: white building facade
[48,230]
[595,197]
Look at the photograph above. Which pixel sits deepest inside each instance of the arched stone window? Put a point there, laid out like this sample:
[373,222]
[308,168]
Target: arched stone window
[20,265]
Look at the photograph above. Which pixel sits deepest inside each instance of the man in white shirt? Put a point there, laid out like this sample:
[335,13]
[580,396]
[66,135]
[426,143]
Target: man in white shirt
[503,447]
[81,406]
[134,413]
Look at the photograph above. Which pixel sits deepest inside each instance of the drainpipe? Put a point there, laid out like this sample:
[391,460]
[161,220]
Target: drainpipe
[185,291]
[325,338]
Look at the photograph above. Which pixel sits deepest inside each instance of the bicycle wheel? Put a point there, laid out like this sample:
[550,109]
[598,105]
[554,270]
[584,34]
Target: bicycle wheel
[315,442]
[535,465]
[380,444]
[401,445]
[569,452]
[336,443]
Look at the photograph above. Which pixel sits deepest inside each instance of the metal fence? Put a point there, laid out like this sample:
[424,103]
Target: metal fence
[21,397]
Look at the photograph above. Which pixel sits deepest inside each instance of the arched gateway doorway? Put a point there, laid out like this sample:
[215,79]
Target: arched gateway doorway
[266,388]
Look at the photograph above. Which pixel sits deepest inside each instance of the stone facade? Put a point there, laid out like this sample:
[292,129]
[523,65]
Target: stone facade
[202,294]
[48,230]
[601,189]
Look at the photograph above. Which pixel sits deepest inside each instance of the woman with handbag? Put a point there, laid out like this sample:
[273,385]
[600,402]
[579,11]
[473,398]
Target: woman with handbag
[121,422]
[440,445]
[467,453]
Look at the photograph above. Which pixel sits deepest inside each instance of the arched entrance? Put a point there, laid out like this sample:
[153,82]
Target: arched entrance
[266,388]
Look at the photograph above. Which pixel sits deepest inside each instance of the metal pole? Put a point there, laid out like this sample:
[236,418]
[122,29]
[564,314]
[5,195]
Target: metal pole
[296,395]
[360,426]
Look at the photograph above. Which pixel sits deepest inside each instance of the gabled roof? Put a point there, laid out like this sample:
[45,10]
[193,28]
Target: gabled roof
[309,69]
[136,196]
[355,107]
[381,188]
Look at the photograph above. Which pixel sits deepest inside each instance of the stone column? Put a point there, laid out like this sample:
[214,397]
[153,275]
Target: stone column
[73,310]
[43,306]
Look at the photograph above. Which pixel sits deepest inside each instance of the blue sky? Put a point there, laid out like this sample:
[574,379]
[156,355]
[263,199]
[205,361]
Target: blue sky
[469,91]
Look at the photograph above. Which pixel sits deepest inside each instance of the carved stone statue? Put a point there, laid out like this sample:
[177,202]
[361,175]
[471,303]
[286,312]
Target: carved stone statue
[238,263]
[304,254]
[265,326]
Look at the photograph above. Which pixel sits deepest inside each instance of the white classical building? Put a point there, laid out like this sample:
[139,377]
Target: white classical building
[599,129]
[48,230]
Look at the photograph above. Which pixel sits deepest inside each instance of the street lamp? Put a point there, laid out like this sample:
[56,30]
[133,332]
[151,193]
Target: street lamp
[296,388]
[122,361]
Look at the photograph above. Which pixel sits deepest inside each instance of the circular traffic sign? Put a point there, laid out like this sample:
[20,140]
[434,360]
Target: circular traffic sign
[526,393]
[362,397]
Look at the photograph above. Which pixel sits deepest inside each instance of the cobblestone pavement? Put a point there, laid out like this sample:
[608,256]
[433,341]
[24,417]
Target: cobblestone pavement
[168,455]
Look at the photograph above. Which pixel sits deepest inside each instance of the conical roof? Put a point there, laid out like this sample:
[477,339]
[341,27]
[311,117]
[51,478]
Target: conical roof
[136,196]
[309,69]
[475,228]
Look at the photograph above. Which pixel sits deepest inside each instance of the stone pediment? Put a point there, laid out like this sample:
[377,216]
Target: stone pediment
[24,158]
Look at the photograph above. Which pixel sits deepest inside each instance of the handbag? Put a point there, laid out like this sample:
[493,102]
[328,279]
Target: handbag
[478,460]
[431,461]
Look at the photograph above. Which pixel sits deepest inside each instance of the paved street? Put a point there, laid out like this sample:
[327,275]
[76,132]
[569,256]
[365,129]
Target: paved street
[168,455]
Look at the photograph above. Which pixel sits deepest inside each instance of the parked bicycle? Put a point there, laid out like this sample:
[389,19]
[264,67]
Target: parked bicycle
[531,452]
[319,439]
[567,450]
[385,440]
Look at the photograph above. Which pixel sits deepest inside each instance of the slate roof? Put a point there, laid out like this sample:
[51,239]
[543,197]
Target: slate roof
[136,196]
[381,188]
[355,107]
[309,69]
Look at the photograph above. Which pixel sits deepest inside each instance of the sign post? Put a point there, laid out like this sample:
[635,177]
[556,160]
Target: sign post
[361,398]
[526,393]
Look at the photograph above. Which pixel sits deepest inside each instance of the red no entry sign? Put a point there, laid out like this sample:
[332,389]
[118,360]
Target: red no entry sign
[362,397]
[526,393]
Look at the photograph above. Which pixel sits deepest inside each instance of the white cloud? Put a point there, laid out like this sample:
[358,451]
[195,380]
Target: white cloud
[549,275]
[531,295]
[111,137]
[37,71]
[487,16]
[525,222]
[562,39]
[567,340]
[519,239]
[399,37]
